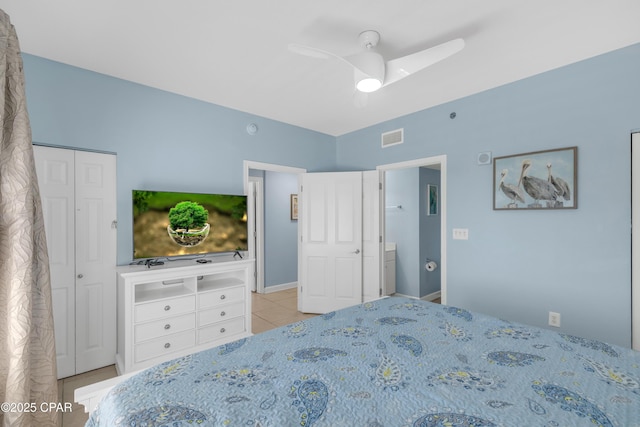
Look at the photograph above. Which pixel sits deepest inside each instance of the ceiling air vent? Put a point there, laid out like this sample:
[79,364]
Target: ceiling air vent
[393,137]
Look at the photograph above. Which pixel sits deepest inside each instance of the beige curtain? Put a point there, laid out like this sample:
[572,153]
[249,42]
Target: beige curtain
[27,348]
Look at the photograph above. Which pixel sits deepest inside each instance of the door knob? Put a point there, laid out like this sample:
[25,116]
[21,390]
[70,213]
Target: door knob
[357,251]
[80,276]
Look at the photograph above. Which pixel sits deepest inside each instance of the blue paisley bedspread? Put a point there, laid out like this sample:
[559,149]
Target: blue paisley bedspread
[391,362]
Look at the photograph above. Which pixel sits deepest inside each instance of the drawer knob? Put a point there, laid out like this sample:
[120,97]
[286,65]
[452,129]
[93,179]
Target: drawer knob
[223,296]
[167,345]
[167,307]
[222,330]
[222,313]
[167,326]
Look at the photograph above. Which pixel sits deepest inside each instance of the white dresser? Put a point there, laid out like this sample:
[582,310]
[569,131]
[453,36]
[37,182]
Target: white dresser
[179,308]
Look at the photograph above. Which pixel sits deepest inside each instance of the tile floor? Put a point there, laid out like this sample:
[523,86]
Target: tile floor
[275,309]
[268,311]
[66,387]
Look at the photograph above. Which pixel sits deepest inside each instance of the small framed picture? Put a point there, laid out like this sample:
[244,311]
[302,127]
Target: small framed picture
[294,206]
[432,199]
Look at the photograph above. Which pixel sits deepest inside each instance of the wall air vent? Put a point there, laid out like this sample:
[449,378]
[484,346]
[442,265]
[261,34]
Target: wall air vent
[393,137]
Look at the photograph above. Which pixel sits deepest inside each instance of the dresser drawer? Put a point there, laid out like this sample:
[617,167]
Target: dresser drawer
[221,330]
[223,312]
[222,296]
[164,308]
[161,347]
[164,327]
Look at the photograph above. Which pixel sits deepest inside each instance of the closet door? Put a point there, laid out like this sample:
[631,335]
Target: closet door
[78,191]
[56,177]
[95,204]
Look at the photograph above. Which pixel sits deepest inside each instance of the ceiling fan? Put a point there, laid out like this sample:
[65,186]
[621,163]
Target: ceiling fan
[371,71]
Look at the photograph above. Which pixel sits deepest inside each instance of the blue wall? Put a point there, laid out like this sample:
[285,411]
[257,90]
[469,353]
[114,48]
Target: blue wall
[402,227]
[429,234]
[280,231]
[515,265]
[521,265]
[416,235]
[163,141]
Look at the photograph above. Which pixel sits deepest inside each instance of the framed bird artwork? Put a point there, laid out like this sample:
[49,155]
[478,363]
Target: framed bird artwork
[537,180]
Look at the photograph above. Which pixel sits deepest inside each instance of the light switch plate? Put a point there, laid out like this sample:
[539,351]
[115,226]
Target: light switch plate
[460,234]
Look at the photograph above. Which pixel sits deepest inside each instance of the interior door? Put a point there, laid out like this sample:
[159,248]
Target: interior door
[56,178]
[330,226]
[95,260]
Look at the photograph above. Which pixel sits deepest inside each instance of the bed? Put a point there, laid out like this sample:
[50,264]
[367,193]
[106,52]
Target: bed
[391,362]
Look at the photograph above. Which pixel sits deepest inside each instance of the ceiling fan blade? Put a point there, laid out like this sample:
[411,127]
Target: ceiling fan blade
[309,51]
[400,68]
[314,52]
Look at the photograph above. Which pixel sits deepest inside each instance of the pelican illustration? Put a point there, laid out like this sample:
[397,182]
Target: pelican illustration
[559,184]
[537,188]
[511,191]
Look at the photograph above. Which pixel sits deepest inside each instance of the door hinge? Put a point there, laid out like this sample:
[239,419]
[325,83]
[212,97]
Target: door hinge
[379,186]
[380,239]
[380,292]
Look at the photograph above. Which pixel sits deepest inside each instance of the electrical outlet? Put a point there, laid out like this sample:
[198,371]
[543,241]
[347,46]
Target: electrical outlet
[460,234]
[554,319]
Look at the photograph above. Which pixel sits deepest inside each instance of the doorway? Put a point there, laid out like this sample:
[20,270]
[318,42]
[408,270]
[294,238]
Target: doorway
[436,162]
[254,186]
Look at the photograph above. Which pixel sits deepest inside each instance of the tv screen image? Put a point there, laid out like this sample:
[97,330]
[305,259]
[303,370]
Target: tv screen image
[170,224]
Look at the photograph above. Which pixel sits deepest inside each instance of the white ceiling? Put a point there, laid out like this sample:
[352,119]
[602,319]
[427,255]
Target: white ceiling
[234,53]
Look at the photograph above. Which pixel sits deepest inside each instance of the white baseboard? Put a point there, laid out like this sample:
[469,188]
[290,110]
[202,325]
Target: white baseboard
[430,297]
[403,295]
[282,287]
[285,286]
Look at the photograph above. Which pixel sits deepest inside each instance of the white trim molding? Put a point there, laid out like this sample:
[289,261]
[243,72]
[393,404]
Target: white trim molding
[277,288]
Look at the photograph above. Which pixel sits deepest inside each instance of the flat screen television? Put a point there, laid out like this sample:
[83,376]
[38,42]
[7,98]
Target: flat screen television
[171,224]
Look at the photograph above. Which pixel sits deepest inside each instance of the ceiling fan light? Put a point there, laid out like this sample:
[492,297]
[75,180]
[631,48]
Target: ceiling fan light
[368,84]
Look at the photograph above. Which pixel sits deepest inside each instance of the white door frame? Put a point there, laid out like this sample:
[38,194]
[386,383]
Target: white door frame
[635,241]
[258,232]
[258,253]
[427,161]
